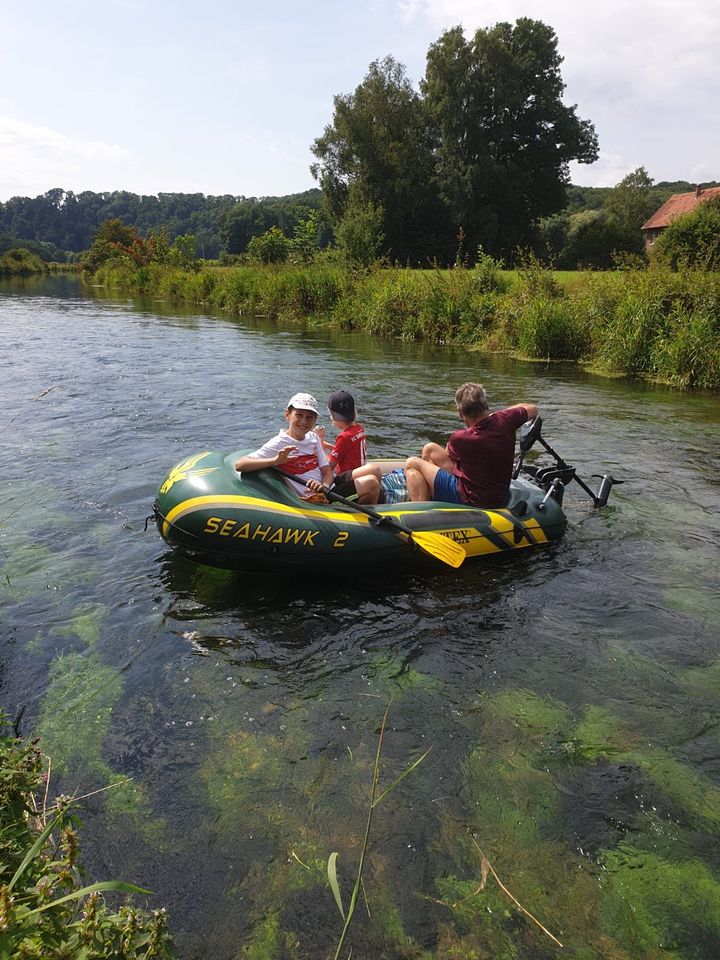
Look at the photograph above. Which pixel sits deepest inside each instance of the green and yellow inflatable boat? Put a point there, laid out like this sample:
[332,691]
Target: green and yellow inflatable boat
[215,516]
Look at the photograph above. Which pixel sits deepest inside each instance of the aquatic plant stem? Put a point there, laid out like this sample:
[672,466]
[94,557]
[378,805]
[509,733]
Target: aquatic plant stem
[38,397]
[366,840]
[374,801]
[487,866]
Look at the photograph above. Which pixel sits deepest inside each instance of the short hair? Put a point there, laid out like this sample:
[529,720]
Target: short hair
[471,400]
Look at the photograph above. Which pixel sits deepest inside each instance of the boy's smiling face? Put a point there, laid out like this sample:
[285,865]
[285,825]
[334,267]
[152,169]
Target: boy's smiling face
[300,422]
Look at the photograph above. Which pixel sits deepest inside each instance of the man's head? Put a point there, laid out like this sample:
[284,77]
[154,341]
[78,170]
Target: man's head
[301,414]
[471,401]
[341,406]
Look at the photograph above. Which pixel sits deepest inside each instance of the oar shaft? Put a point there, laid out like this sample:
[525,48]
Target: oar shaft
[353,504]
[435,544]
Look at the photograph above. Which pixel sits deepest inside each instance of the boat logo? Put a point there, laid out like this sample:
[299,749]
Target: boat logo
[185,471]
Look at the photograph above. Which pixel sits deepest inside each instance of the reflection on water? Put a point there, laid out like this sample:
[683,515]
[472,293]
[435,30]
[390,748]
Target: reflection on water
[569,697]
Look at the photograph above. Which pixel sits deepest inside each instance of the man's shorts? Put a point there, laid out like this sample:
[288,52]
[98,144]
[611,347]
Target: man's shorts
[445,487]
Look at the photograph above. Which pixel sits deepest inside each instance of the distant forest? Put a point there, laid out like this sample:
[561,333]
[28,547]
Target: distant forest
[60,224]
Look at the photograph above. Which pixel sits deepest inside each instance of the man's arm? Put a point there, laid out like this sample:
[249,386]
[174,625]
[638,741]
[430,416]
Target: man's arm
[532,409]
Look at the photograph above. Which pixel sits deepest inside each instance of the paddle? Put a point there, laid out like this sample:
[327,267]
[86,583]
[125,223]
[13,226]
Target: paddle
[437,545]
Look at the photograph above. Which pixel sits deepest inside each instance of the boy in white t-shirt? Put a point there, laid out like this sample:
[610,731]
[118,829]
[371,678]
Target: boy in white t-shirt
[296,450]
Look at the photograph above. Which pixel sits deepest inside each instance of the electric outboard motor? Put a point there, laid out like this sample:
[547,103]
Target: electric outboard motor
[555,479]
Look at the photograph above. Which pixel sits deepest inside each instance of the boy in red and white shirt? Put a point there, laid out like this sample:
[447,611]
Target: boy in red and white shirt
[297,449]
[348,454]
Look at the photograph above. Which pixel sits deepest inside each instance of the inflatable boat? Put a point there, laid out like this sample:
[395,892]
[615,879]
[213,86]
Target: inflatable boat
[212,514]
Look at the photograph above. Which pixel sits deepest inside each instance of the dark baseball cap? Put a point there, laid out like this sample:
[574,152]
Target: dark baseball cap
[342,405]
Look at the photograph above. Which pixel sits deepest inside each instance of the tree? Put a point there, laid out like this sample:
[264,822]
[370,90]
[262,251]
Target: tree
[360,233]
[629,205]
[593,241]
[182,252]
[246,220]
[505,138]
[114,239]
[270,247]
[378,153]
[305,241]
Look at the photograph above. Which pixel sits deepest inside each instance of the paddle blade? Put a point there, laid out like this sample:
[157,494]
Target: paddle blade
[440,547]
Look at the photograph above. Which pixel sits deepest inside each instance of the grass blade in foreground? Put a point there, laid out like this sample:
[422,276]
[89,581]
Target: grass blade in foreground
[374,802]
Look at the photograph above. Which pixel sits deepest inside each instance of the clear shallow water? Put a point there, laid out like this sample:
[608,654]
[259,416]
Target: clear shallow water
[570,697]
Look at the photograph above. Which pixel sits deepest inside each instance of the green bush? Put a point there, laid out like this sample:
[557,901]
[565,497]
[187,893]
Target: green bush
[21,263]
[548,328]
[488,274]
[537,279]
[270,247]
[360,233]
[45,911]
[692,241]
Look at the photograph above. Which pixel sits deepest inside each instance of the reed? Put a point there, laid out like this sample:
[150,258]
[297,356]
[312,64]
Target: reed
[44,909]
[375,800]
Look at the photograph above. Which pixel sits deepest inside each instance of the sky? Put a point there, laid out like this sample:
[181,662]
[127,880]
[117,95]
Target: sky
[227,96]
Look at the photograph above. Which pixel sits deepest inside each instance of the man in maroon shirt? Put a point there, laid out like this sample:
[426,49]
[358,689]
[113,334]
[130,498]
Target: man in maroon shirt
[476,465]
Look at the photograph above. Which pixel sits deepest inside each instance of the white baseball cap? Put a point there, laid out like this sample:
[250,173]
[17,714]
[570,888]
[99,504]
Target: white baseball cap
[304,401]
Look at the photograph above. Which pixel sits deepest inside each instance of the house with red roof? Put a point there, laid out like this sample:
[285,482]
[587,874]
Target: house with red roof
[676,206]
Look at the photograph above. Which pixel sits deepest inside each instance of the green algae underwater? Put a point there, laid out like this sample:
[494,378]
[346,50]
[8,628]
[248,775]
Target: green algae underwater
[569,699]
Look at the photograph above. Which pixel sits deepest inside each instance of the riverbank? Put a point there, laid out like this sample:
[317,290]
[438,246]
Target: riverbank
[656,324]
[21,263]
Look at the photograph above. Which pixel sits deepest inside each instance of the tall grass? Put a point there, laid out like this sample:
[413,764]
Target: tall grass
[653,323]
[45,910]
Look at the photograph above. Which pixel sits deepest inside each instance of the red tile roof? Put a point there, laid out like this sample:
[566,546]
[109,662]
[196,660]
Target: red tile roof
[678,204]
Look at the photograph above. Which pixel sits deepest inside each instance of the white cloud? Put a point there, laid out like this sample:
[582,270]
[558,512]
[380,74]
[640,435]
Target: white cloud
[34,159]
[607,171]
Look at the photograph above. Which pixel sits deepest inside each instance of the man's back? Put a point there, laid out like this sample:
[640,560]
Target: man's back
[483,456]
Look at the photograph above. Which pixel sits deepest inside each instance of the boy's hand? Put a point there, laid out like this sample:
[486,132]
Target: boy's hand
[284,455]
[320,433]
[316,485]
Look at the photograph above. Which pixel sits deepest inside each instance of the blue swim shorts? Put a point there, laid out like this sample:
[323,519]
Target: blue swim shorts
[445,487]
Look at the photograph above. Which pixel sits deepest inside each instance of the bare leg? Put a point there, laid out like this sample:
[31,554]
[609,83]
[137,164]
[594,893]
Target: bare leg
[368,488]
[368,470]
[420,478]
[436,454]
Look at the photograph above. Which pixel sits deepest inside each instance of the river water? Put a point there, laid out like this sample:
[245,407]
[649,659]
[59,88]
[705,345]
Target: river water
[569,698]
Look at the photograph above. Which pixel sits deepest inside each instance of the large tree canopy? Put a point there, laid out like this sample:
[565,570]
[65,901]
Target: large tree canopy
[505,136]
[378,153]
[484,147]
